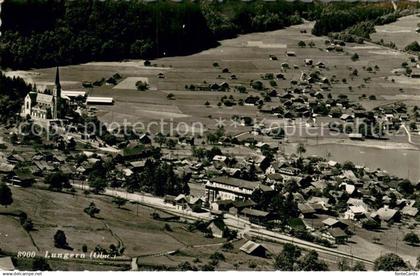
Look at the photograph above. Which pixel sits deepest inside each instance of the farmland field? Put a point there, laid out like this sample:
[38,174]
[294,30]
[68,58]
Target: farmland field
[247,57]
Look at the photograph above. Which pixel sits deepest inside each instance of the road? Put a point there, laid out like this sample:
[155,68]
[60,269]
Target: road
[244,227]
[408,135]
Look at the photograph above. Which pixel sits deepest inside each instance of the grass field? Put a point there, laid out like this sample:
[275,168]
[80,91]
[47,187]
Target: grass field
[140,234]
[401,32]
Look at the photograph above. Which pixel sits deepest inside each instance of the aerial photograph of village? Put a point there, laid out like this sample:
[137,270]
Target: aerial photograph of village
[206,135]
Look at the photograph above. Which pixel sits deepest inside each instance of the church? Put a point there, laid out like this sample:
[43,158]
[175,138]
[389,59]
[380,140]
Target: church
[42,106]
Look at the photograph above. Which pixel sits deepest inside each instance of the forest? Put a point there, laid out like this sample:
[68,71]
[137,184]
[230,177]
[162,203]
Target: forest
[50,32]
[12,91]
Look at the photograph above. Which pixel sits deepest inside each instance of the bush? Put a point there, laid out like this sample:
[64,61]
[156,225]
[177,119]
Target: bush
[354,57]
[389,262]
[413,47]
[412,238]
[142,86]
[60,240]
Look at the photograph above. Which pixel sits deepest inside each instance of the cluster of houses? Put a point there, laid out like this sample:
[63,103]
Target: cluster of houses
[331,199]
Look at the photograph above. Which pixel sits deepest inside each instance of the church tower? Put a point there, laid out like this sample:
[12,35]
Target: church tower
[57,94]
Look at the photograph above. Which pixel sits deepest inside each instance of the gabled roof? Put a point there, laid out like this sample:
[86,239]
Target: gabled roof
[251,246]
[386,213]
[254,212]
[410,211]
[330,221]
[337,232]
[305,208]
[6,167]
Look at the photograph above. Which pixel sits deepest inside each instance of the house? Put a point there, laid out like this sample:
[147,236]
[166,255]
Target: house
[387,214]
[255,249]
[181,202]
[216,227]
[224,187]
[306,210]
[409,211]
[255,215]
[239,205]
[347,118]
[22,177]
[6,168]
[337,235]
[137,166]
[415,74]
[334,223]
[220,160]
[145,139]
[290,54]
[15,158]
[355,212]
[6,264]
[195,203]
[222,205]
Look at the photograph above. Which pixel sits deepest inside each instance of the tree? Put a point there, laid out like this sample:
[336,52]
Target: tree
[119,201]
[170,96]
[389,262]
[6,198]
[359,266]
[28,224]
[57,181]
[413,47]
[98,184]
[142,86]
[300,149]
[287,259]
[160,139]
[310,262]
[302,44]
[40,264]
[354,57]
[412,239]
[60,240]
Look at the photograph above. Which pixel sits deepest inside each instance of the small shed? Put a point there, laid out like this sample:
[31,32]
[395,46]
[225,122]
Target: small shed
[255,249]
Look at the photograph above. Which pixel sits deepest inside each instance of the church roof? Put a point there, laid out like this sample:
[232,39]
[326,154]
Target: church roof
[44,98]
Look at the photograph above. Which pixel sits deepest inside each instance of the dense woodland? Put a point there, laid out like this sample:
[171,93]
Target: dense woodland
[50,32]
[12,91]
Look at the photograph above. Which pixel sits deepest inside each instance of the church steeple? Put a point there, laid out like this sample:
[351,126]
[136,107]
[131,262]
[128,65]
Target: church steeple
[57,79]
[57,94]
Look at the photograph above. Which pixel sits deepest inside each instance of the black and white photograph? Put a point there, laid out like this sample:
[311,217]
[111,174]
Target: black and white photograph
[209,135]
